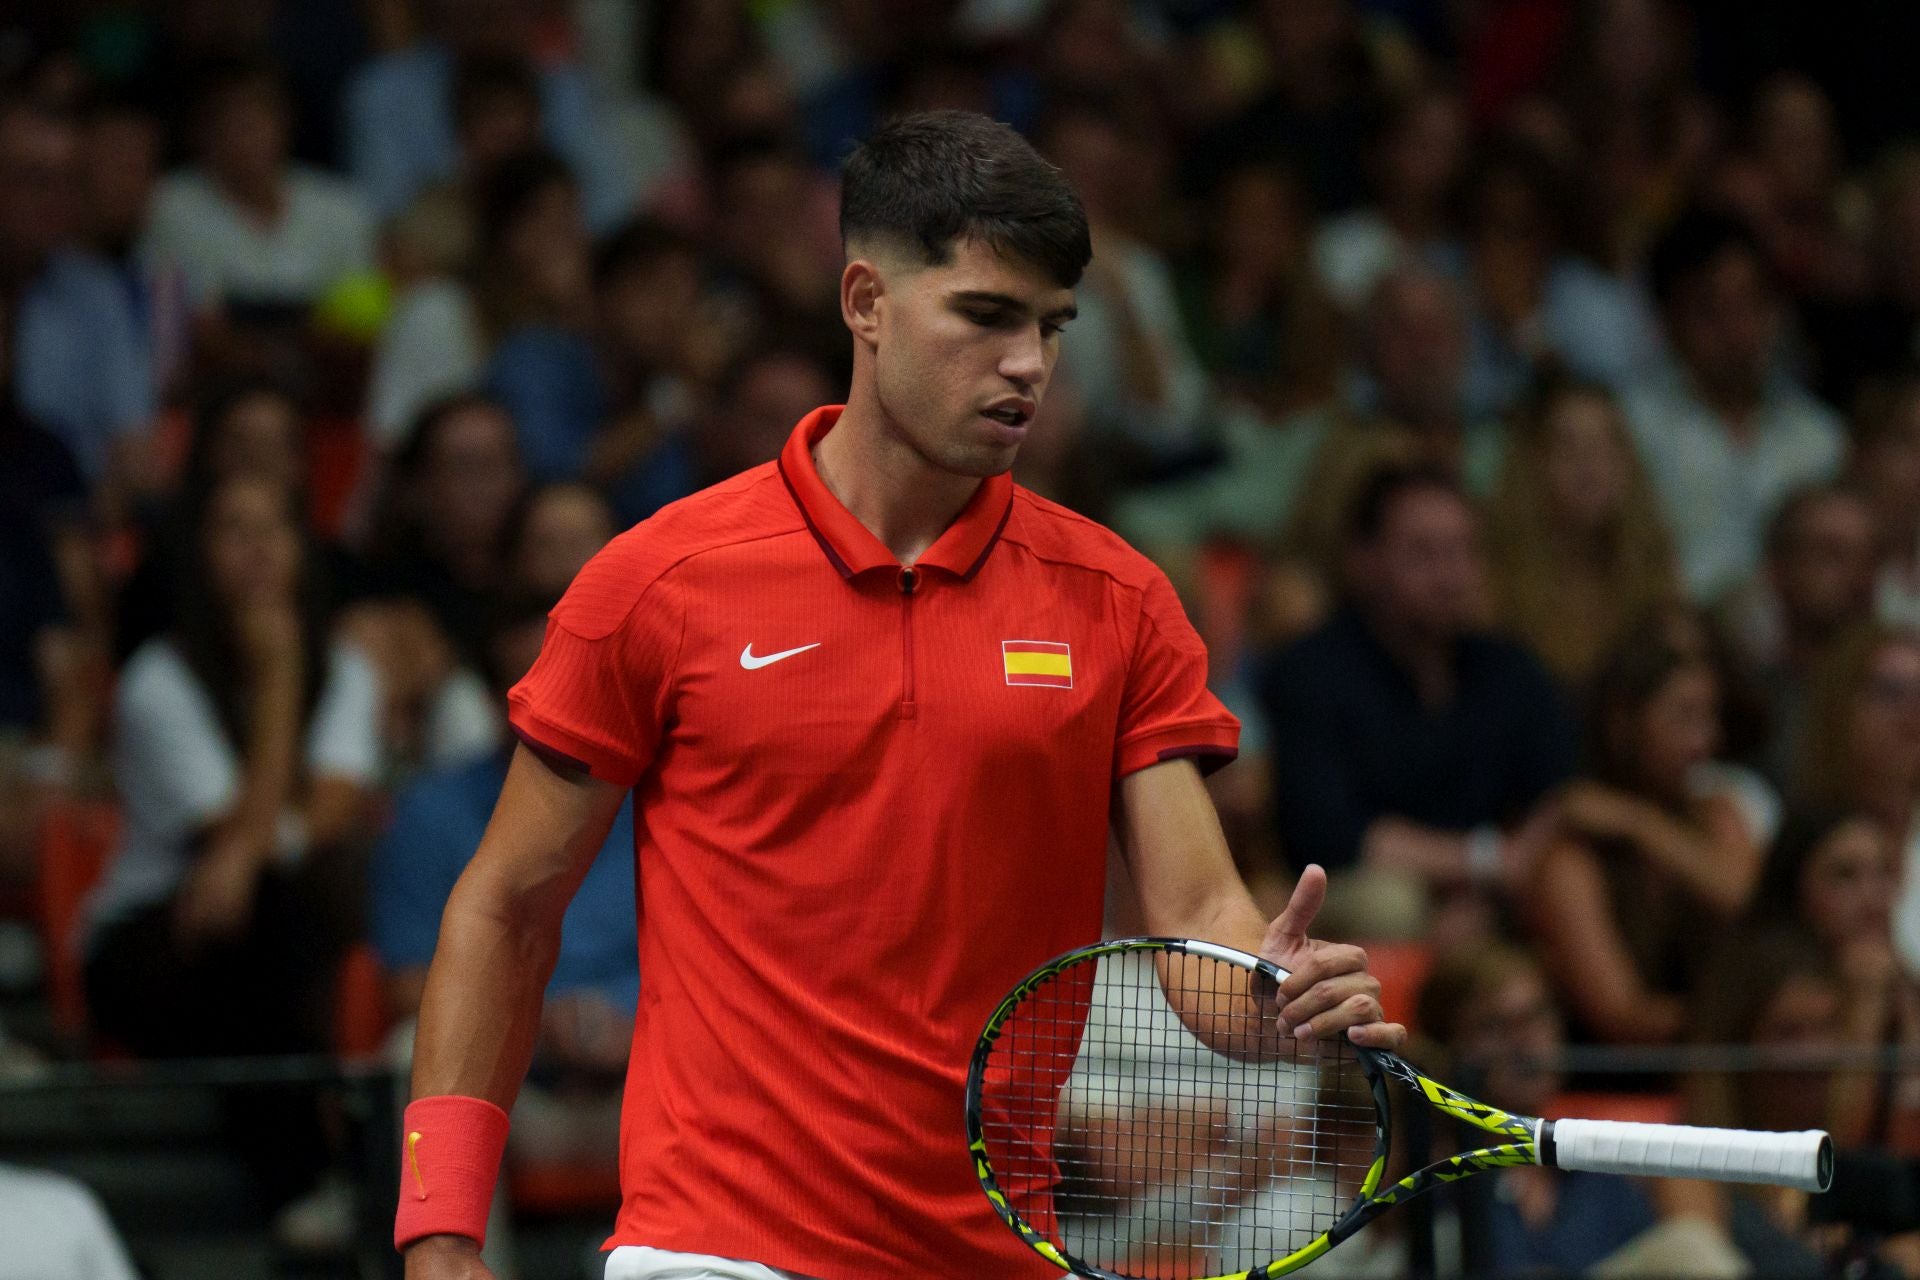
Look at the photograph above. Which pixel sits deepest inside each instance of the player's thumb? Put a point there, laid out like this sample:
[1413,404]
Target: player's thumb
[1290,927]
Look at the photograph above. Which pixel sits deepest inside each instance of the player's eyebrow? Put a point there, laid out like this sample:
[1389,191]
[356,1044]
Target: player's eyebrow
[1008,302]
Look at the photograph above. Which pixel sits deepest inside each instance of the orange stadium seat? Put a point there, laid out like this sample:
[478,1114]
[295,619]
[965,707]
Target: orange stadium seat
[1642,1108]
[75,842]
[1401,968]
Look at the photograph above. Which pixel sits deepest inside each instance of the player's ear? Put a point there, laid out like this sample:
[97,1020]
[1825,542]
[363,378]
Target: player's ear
[861,290]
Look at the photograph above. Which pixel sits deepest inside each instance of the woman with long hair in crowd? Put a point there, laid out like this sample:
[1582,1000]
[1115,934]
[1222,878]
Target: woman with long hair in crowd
[1647,863]
[244,749]
[1862,752]
[1579,550]
[1833,874]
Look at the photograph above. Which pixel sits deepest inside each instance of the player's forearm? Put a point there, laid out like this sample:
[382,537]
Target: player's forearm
[480,1013]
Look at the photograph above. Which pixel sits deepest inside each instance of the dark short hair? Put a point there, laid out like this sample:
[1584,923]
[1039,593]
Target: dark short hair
[481,79]
[1383,489]
[1696,240]
[928,179]
[637,246]
[511,189]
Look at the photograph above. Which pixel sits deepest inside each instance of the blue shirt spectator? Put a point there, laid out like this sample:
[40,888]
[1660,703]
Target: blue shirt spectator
[81,365]
[401,137]
[437,825]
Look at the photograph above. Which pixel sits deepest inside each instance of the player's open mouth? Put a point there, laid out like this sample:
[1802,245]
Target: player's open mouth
[1010,413]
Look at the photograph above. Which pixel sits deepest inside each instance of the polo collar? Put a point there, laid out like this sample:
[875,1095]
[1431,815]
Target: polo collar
[851,547]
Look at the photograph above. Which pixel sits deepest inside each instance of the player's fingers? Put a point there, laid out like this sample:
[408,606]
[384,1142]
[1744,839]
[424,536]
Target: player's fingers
[1354,1011]
[1289,928]
[1331,994]
[1327,960]
[1390,1036]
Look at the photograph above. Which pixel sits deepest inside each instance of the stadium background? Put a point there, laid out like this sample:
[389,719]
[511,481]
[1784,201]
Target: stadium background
[465,285]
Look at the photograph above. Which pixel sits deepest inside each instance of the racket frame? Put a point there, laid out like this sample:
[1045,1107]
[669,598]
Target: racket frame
[1526,1138]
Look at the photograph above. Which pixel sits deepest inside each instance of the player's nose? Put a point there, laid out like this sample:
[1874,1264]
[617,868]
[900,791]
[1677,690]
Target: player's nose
[1025,359]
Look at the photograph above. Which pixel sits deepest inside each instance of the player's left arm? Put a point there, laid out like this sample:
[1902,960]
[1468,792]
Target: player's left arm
[1189,888]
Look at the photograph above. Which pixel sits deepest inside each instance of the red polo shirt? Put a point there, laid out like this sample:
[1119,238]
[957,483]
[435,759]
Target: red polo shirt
[868,800]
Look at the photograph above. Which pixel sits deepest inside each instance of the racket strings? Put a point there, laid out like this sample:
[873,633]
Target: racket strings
[1145,1113]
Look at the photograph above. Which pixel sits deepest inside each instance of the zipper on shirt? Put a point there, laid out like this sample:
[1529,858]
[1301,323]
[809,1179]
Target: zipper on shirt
[909,579]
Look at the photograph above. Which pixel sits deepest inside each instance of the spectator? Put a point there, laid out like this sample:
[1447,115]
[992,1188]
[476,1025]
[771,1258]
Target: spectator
[50,624]
[1496,1030]
[1885,469]
[1579,550]
[1869,335]
[556,530]
[247,226]
[57,1230]
[569,1109]
[1405,742]
[244,749]
[1531,299]
[1407,404]
[1774,990]
[243,426]
[1257,318]
[1317,109]
[774,221]
[1835,875]
[444,516]
[1816,585]
[123,147]
[496,114]
[1643,866]
[81,366]
[518,321]
[1724,431]
[1412,165]
[664,334]
[755,403]
[1126,352]
[1862,752]
[1788,188]
[400,129]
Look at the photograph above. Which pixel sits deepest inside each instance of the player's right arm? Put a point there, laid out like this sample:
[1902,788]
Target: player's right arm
[499,938]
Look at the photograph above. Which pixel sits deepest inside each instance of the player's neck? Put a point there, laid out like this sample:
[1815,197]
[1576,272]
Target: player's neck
[899,496]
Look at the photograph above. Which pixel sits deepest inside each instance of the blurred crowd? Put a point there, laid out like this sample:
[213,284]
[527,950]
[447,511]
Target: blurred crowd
[1524,396]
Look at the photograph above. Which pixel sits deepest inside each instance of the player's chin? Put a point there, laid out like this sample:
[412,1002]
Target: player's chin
[981,460]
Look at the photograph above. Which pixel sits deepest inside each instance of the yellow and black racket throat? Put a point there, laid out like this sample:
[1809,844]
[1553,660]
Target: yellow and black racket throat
[1133,1113]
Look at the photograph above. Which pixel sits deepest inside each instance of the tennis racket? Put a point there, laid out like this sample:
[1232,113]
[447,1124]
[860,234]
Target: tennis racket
[1135,1113]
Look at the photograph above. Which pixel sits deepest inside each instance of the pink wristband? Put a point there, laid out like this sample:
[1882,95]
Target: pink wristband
[449,1161]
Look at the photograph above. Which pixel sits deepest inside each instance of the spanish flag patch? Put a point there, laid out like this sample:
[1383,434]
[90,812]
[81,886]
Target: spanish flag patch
[1041,662]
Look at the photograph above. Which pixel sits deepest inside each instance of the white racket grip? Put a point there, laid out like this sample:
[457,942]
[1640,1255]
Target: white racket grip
[1803,1160]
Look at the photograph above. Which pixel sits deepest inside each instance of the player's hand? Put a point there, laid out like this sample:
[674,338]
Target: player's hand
[1328,989]
[445,1258]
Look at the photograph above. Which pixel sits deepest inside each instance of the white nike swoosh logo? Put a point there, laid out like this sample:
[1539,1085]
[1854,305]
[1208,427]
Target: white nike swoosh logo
[752,663]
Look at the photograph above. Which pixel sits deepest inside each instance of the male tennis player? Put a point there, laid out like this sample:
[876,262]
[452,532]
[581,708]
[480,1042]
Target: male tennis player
[879,708]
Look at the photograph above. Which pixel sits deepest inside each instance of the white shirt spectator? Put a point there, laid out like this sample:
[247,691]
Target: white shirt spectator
[432,348]
[1096,352]
[55,1229]
[1355,252]
[1718,492]
[176,770]
[324,234]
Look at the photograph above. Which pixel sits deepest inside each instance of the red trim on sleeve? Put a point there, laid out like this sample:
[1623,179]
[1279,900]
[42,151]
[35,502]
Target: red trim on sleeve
[548,739]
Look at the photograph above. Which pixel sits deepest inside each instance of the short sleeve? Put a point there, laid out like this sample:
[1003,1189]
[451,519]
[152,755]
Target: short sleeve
[598,696]
[1167,711]
[172,764]
[344,739]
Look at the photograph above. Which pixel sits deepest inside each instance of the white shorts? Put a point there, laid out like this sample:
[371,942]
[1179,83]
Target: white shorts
[638,1262]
